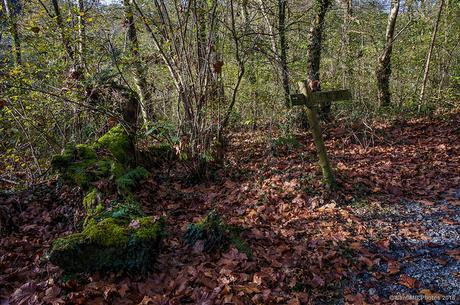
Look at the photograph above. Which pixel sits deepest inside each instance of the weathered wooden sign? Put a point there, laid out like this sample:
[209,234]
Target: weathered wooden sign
[311,100]
[316,98]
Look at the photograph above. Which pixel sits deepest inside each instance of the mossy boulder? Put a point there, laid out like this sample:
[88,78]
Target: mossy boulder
[110,243]
[117,142]
[107,158]
[114,236]
[92,202]
[80,165]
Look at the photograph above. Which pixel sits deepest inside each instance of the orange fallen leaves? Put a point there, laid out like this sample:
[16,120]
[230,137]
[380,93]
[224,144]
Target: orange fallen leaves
[393,267]
[408,281]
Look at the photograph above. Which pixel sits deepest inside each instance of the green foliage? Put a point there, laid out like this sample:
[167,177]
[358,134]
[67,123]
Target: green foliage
[129,180]
[215,234]
[285,142]
[125,210]
[210,229]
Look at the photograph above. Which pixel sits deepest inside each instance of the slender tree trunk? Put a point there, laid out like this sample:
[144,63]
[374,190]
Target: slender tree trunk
[347,68]
[283,47]
[251,76]
[13,27]
[81,34]
[279,52]
[314,48]
[200,8]
[383,71]
[430,52]
[62,30]
[139,75]
[445,59]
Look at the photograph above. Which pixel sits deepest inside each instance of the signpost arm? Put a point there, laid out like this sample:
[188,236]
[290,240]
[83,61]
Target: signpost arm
[315,129]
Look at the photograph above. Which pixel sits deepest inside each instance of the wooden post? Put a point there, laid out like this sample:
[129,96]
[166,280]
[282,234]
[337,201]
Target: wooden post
[313,121]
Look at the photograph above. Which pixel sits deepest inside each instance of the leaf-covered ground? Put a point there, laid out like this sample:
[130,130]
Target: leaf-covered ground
[389,235]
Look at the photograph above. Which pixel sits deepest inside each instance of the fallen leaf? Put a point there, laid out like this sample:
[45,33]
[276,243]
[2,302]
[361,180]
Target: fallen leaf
[407,281]
[393,267]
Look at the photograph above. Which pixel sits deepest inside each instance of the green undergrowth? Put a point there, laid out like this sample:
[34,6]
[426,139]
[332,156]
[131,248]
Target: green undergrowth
[215,234]
[284,143]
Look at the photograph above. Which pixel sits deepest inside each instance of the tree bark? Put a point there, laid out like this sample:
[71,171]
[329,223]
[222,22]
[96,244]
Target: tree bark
[430,52]
[283,47]
[383,71]
[13,28]
[60,24]
[279,51]
[139,75]
[81,34]
[314,48]
[347,68]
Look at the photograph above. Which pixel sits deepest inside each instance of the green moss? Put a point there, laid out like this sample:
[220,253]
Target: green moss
[91,200]
[68,242]
[108,232]
[110,244]
[85,152]
[63,160]
[116,140]
[149,229]
[117,169]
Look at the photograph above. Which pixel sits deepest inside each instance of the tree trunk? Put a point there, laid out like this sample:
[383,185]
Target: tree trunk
[60,24]
[283,47]
[139,75]
[314,48]
[81,34]
[13,27]
[383,71]
[430,52]
[347,67]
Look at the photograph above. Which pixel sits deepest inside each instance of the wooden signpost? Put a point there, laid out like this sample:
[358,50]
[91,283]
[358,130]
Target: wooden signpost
[311,100]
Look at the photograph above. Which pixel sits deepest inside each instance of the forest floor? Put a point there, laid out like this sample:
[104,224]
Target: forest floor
[389,235]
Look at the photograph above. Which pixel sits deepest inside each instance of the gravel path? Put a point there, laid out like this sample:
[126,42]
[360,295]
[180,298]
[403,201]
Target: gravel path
[425,244]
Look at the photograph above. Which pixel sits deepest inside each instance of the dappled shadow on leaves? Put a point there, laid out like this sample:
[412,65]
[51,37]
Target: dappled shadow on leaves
[309,245]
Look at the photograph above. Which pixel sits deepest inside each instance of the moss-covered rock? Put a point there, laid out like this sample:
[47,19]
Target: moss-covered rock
[80,165]
[110,244]
[116,236]
[85,164]
[92,202]
[117,142]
